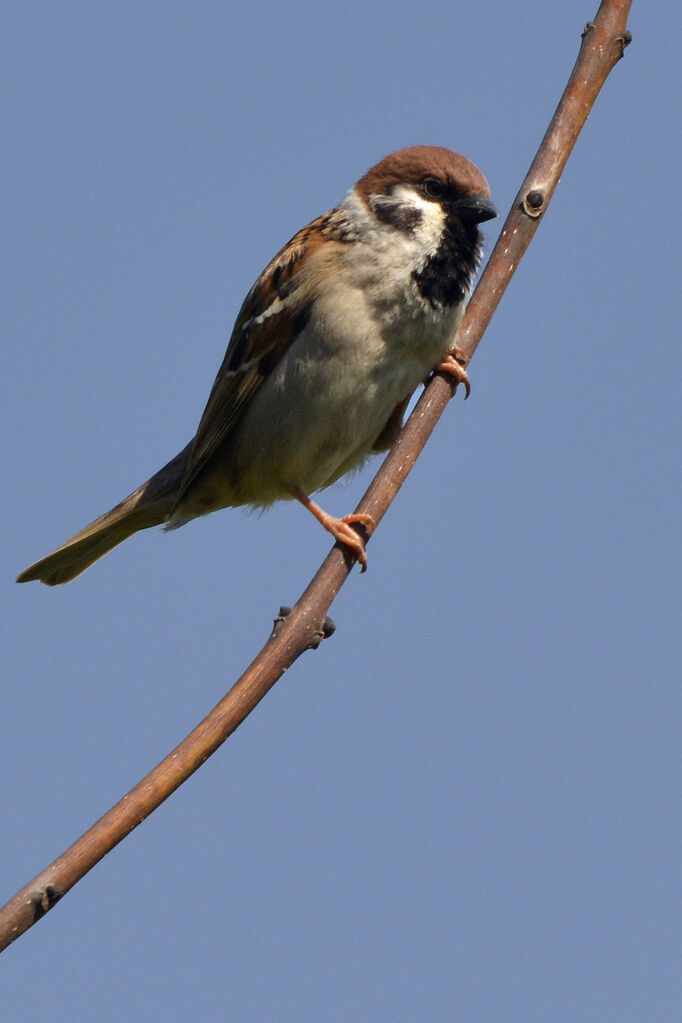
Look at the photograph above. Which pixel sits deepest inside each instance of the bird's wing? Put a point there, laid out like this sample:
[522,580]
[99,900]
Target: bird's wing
[273,314]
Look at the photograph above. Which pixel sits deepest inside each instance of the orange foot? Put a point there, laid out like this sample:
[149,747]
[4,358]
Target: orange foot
[453,364]
[341,529]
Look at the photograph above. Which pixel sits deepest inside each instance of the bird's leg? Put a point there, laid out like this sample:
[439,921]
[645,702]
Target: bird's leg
[341,529]
[453,364]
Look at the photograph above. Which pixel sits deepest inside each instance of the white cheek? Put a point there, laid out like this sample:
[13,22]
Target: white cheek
[427,234]
[419,242]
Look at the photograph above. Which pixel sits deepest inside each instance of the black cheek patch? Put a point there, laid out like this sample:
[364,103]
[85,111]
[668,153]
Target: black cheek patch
[403,218]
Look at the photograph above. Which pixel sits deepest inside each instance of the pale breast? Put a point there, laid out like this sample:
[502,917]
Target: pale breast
[322,408]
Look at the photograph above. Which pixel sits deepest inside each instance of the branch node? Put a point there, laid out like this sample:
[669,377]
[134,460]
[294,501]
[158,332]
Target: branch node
[44,899]
[624,41]
[279,621]
[589,27]
[327,629]
[533,203]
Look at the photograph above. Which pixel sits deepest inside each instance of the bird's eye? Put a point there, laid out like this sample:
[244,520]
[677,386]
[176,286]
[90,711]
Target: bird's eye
[434,188]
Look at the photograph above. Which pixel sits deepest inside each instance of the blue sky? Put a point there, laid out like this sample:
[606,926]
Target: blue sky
[466,804]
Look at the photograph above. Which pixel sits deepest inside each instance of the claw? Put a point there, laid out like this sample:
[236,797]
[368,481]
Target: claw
[453,364]
[343,532]
[342,529]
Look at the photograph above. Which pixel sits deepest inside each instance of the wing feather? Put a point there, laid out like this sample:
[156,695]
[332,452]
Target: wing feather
[274,312]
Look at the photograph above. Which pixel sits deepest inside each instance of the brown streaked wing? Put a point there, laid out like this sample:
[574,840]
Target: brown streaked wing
[273,313]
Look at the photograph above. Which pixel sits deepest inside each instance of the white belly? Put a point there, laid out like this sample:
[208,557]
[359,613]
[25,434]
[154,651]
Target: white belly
[322,409]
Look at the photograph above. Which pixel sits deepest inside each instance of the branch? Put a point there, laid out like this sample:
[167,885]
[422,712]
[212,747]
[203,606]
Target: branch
[603,43]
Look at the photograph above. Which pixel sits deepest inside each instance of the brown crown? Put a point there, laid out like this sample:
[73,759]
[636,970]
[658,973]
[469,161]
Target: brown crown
[412,165]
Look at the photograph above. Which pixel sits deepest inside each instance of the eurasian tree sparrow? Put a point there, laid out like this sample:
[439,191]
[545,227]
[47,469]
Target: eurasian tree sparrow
[330,343]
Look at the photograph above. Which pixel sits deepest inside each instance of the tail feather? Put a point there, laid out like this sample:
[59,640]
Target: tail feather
[150,505]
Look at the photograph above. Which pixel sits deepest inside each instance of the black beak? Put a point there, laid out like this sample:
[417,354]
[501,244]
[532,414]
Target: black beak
[474,209]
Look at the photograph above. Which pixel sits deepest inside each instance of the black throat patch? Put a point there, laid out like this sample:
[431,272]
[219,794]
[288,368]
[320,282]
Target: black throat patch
[446,277]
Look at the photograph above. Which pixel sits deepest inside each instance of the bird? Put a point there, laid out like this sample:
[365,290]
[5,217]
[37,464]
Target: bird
[332,340]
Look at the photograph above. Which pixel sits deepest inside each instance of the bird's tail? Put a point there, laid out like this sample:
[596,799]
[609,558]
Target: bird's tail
[150,505]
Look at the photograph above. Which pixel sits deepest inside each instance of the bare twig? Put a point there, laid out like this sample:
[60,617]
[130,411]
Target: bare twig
[603,43]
